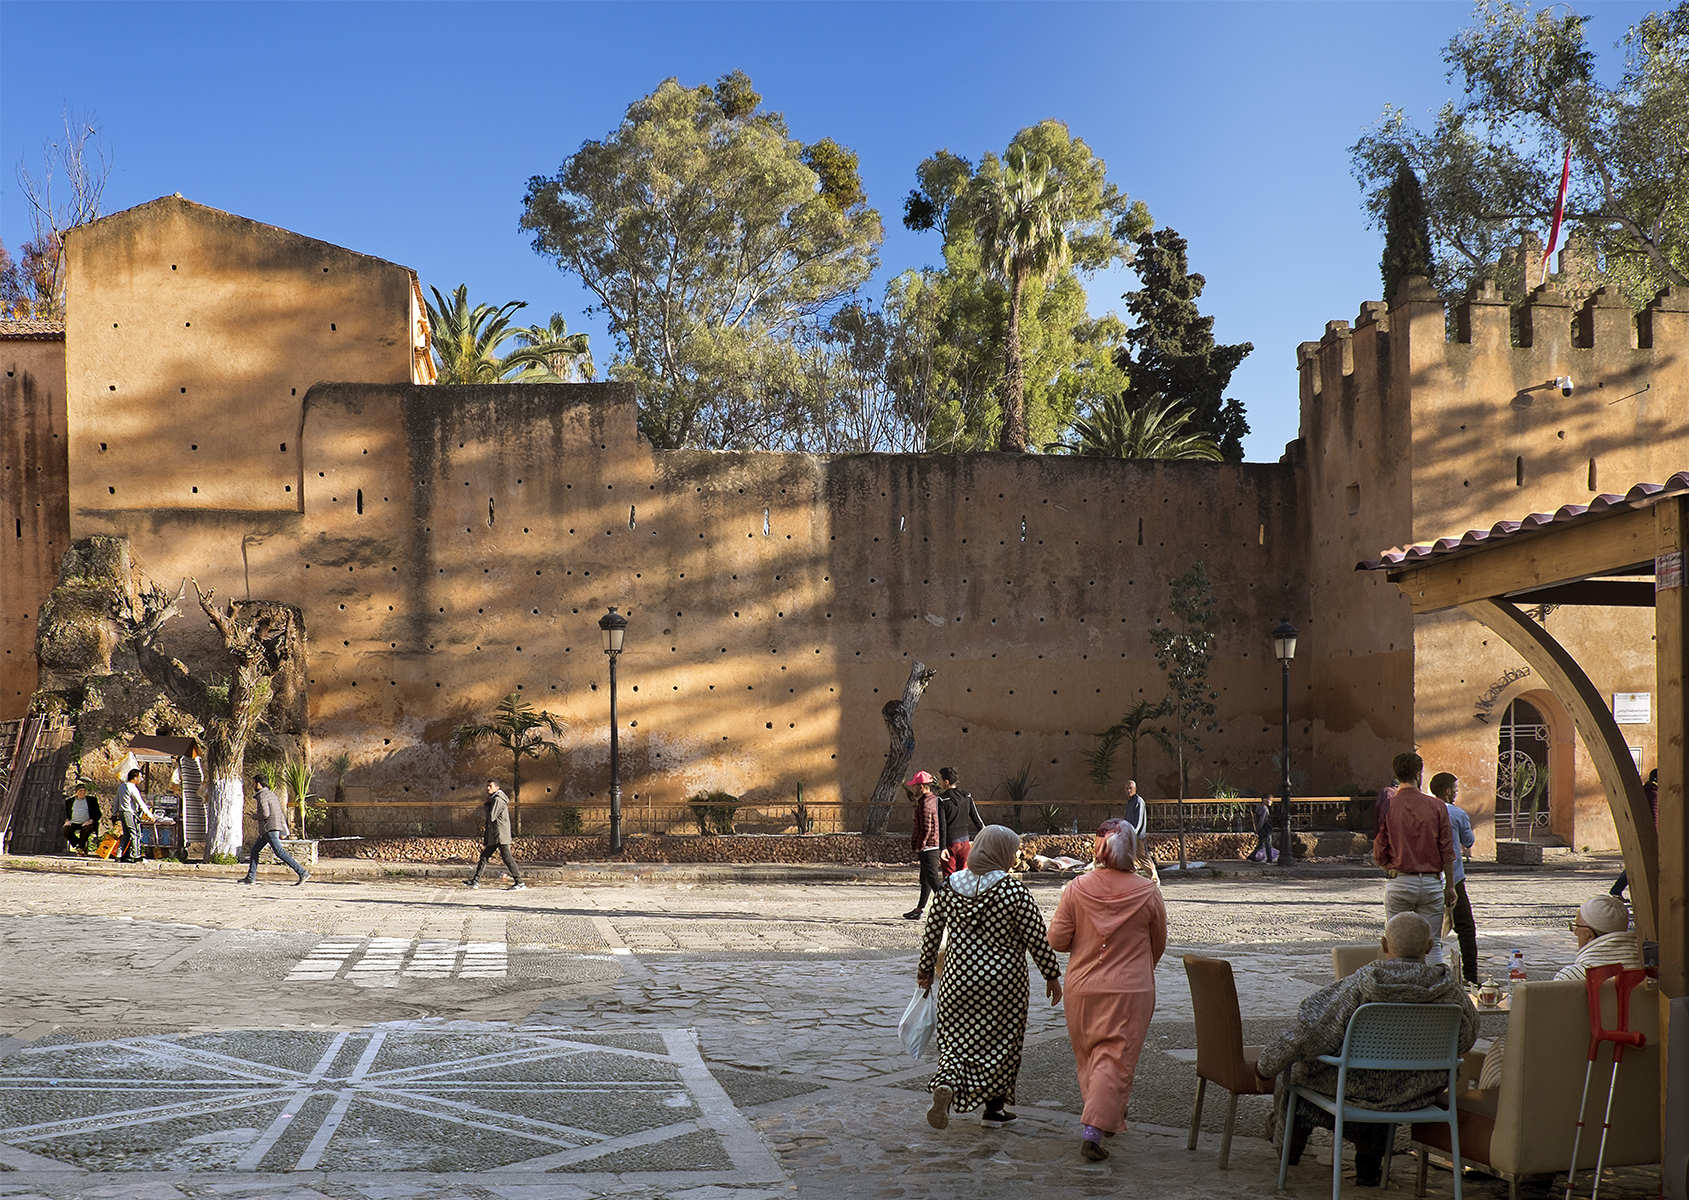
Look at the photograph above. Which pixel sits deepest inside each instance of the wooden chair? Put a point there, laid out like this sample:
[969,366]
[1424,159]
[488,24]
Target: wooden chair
[1221,1055]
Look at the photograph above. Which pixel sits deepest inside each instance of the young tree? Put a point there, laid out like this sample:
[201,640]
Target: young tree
[260,640]
[708,236]
[522,731]
[1184,650]
[467,339]
[64,191]
[1115,429]
[1173,355]
[1491,162]
[1407,235]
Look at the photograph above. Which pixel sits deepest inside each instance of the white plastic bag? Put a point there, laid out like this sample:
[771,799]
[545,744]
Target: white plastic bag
[919,1026]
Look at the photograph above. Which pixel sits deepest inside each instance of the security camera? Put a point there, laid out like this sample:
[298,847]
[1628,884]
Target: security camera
[1564,383]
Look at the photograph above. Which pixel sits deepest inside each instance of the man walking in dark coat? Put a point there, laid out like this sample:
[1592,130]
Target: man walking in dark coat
[272,828]
[497,839]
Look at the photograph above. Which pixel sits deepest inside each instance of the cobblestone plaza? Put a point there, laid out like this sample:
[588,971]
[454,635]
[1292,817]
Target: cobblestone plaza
[167,1037]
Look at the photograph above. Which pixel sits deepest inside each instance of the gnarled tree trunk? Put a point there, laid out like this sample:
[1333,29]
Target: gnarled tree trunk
[900,723]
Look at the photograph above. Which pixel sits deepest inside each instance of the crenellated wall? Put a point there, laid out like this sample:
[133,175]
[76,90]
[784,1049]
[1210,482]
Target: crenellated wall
[1419,426]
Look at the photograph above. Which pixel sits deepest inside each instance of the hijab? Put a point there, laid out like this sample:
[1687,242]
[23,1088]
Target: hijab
[995,849]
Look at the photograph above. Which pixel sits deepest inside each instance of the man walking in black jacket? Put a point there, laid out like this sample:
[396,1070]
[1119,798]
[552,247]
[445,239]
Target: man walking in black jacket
[497,837]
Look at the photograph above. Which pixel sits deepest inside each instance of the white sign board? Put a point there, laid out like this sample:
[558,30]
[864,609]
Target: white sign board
[1632,708]
[1636,753]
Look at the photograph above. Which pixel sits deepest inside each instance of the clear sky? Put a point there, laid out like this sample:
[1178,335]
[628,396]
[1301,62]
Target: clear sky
[409,130]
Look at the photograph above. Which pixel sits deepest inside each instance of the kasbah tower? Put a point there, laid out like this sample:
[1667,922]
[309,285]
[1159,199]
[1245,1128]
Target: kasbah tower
[255,408]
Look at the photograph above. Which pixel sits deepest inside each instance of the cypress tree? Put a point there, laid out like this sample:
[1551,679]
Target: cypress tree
[1170,353]
[1407,233]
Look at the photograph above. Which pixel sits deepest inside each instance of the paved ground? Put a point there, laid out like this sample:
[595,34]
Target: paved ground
[184,1037]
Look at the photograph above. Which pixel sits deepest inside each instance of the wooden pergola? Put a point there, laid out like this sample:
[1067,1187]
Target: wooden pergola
[1617,551]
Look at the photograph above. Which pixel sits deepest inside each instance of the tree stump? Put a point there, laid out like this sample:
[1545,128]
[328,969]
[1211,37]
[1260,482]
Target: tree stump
[900,724]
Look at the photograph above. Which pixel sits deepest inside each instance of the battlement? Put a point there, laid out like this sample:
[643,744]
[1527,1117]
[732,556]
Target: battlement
[1534,335]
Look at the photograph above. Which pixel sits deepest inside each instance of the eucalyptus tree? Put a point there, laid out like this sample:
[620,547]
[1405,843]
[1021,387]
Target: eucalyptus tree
[709,238]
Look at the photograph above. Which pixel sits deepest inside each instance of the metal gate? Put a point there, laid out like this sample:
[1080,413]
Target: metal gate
[1521,778]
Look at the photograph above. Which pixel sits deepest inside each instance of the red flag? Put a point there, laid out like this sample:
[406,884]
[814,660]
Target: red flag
[1559,212]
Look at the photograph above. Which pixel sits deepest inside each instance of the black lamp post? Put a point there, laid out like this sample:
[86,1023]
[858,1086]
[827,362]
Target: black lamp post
[613,626]
[1284,648]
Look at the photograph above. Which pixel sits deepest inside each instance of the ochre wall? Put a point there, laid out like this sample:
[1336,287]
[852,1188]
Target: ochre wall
[192,338]
[1471,430]
[776,601]
[34,523]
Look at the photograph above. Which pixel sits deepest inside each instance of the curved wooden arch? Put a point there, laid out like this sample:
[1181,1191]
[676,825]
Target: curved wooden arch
[1607,747]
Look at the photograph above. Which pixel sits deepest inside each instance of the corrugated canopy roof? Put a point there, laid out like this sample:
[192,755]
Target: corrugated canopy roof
[1643,495]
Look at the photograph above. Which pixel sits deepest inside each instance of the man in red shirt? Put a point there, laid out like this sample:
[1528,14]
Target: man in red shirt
[1416,846]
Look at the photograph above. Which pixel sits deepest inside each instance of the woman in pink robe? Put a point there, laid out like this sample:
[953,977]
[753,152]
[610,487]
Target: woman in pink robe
[1113,925]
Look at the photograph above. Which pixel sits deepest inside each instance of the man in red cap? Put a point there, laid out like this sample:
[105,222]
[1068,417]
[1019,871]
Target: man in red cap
[924,839]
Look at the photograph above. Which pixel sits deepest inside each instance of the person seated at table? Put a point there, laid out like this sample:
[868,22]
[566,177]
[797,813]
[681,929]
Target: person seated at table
[82,819]
[1402,976]
[1605,938]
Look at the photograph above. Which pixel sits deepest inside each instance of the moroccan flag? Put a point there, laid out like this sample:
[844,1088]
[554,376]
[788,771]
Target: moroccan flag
[1559,212]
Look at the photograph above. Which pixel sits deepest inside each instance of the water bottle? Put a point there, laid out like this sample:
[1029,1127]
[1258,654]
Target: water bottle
[1515,969]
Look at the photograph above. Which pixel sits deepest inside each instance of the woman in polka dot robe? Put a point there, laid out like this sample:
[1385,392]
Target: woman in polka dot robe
[993,924]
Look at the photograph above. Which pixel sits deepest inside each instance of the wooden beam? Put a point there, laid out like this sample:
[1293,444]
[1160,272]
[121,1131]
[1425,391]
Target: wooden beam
[1596,547]
[1606,745]
[1671,666]
[1598,593]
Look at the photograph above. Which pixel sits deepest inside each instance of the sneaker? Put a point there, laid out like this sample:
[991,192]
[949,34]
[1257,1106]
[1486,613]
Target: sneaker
[305,878]
[913,914]
[938,1116]
[243,879]
[470,883]
[518,886]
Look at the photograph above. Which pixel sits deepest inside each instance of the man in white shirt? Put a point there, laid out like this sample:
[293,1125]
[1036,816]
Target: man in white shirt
[132,809]
[82,819]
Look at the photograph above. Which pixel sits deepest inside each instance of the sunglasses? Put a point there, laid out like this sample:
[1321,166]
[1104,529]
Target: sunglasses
[1575,925]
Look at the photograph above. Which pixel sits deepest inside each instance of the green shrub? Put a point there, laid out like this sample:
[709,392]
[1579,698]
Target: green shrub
[569,821]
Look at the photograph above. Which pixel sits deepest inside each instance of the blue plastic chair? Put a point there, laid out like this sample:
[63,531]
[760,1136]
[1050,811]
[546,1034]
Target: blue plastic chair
[1386,1037]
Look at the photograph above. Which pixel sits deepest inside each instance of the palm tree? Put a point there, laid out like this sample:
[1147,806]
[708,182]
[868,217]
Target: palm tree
[566,354]
[1153,430]
[522,730]
[1022,228]
[467,339]
[1132,727]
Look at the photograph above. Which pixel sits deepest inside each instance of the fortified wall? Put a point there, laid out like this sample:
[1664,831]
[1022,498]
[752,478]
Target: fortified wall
[447,546]
[1411,435]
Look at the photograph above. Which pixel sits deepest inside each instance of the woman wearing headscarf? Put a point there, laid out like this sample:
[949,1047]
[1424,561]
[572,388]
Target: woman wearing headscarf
[1113,925]
[993,924]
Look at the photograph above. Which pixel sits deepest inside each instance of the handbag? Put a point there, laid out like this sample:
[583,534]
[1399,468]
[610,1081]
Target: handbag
[918,1029]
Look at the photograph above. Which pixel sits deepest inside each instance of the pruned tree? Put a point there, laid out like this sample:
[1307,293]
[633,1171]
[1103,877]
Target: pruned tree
[1407,234]
[524,732]
[1184,649]
[899,717]
[259,639]
[65,190]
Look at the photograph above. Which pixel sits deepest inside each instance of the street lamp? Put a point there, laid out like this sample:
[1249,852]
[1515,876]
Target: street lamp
[1284,648]
[613,626]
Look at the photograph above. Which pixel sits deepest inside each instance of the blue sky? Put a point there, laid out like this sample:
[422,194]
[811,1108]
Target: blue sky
[409,130]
